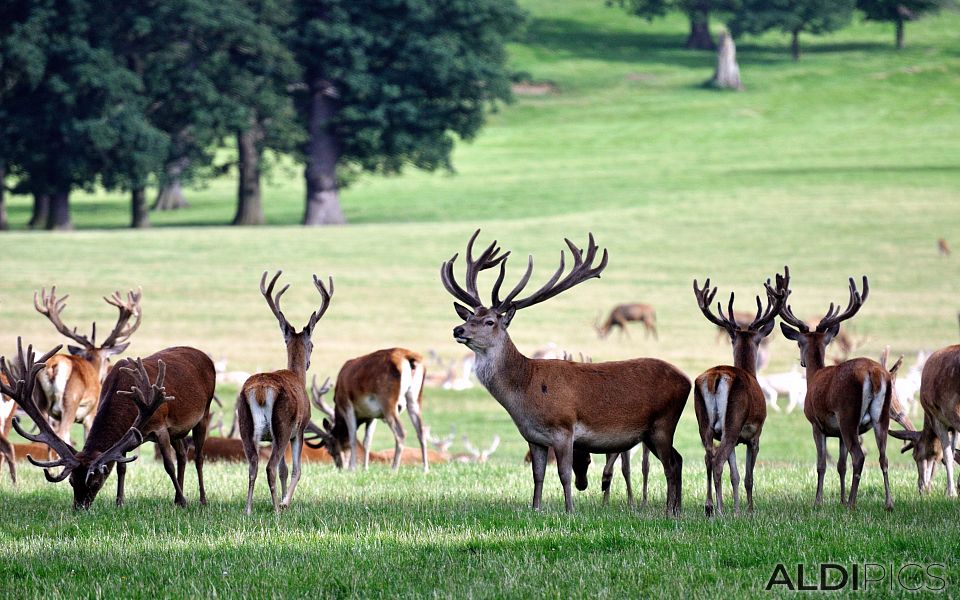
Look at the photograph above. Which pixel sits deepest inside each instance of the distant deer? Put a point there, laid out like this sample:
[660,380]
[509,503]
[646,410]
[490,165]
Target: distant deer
[273,406]
[132,410]
[844,400]
[943,247]
[379,385]
[729,404]
[940,399]
[595,407]
[72,382]
[622,314]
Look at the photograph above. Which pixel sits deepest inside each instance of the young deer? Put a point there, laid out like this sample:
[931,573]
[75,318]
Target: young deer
[844,400]
[940,398]
[595,407]
[622,314]
[132,410]
[379,385]
[728,401]
[72,382]
[273,406]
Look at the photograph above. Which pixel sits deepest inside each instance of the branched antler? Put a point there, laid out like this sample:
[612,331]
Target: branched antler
[316,395]
[488,259]
[51,307]
[128,308]
[273,301]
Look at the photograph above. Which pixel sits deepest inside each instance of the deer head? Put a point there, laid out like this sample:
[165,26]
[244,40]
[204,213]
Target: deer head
[485,327]
[813,344]
[323,437]
[51,307]
[299,343]
[927,452]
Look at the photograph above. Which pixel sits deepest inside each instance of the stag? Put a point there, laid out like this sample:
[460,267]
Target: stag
[132,410]
[595,407]
[729,404]
[72,382]
[273,406]
[622,314]
[842,400]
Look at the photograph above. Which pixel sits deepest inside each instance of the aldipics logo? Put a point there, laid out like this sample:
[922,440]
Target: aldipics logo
[866,577]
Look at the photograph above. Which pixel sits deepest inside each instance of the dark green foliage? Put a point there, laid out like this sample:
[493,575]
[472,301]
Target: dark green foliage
[698,12]
[898,12]
[791,16]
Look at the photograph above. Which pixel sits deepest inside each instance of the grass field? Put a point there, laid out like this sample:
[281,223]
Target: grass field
[844,163]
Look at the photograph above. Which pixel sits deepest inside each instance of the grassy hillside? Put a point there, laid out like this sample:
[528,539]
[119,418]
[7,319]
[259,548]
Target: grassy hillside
[844,163]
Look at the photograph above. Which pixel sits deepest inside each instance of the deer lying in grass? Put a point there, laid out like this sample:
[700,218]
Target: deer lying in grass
[72,382]
[273,406]
[594,407]
[940,399]
[729,403]
[844,400]
[379,385]
[622,314]
[132,410]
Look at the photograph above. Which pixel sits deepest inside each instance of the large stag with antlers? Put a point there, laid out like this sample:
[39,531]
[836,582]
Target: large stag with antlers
[595,407]
[71,382]
[844,400]
[273,406]
[379,385]
[161,398]
[729,404]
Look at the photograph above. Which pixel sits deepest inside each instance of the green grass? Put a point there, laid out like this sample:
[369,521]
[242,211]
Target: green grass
[841,164]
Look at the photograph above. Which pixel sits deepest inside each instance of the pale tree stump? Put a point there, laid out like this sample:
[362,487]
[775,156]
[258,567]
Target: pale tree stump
[727,75]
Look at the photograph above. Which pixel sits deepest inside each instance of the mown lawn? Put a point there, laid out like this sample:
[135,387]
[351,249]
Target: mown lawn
[844,163]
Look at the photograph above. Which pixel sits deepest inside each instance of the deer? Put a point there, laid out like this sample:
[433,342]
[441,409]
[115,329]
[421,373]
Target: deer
[729,404]
[273,406]
[161,398]
[844,400]
[7,450]
[72,382]
[940,399]
[604,408]
[379,385]
[943,247]
[622,314]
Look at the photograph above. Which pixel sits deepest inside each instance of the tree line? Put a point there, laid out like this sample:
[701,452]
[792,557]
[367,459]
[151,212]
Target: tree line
[126,95]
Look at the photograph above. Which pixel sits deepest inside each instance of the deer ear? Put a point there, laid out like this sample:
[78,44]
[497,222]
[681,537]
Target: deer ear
[115,349]
[831,333]
[904,434]
[507,316]
[789,332]
[906,447]
[76,350]
[765,331]
[462,311]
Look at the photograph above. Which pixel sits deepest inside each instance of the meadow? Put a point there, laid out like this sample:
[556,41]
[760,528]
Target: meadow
[841,164]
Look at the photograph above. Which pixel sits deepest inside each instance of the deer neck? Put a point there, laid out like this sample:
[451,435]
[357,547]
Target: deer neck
[745,354]
[504,371]
[815,358]
[297,362]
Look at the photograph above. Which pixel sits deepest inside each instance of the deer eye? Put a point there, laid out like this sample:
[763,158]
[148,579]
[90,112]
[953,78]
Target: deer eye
[489,323]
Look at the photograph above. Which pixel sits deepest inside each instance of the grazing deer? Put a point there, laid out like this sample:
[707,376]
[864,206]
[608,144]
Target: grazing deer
[729,404]
[622,314]
[943,247]
[844,400]
[273,406]
[940,399]
[132,410]
[7,450]
[595,407]
[379,385]
[793,383]
[72,382]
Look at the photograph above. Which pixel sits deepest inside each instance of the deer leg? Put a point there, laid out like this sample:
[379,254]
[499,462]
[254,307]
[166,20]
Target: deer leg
[416,418]
[724,450]
[251,449]
[199,438]
[276,456]
[753,449]
[367,440]
[645,470]
[946,442]
[282,470]
[296,450]
[820,440]
[706,439]
[351,417]
[661,444]
[398,436]
[67,418]
[842,472]
[121,477]
[856,451]
[734,480]
[538,461]
[563,448]
[181,452]
[6,453]
[607,477]
[880,432]
[625,469]
[166,451]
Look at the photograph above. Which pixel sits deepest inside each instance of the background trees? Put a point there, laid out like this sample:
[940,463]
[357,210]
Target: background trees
[897,12]
[697,11]
[791,16]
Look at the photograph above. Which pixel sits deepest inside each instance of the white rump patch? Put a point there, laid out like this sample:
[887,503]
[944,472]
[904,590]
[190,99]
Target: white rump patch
[716,403]
[262,415]
[7,407]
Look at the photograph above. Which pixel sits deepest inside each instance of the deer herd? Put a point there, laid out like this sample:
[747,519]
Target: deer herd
[566,410]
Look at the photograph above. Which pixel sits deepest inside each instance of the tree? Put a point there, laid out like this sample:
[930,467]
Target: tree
[391,83]
[897,12]
[791,16]
[698,12]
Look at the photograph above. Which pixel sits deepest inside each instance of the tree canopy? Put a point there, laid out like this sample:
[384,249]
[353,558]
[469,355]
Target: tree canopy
[791,16]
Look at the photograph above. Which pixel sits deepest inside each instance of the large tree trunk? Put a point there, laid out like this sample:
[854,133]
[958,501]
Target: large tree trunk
[727,75]
[899,34]
[795,45]
[323,152]
[59,216]
[249,205]
[170,195]
[4,224]
[140,215]
[41,208]
[699,38]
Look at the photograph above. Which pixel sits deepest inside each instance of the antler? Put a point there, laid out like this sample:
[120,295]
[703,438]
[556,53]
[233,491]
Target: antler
[705,298]
[488,259]
[274,301]
[128,308]
[582,270]
[775,299]
[21,377]
[50,306]
[316,395]
[325,294]
[493,448]
[834,317]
